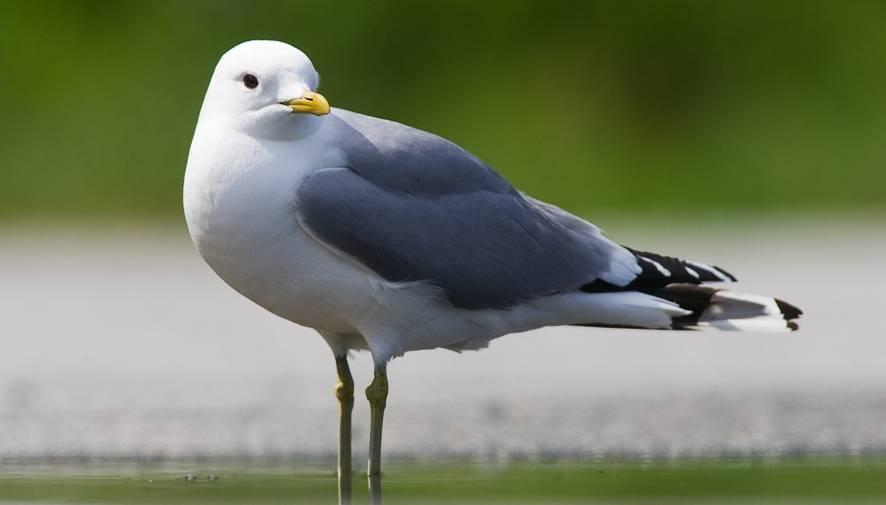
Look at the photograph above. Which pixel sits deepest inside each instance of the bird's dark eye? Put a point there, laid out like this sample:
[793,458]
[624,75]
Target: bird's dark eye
[250,81]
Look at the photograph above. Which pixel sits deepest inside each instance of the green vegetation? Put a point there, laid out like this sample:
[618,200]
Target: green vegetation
[735,482]
[667,105]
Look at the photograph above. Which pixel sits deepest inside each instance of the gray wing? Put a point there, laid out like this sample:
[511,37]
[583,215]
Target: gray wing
[412,206]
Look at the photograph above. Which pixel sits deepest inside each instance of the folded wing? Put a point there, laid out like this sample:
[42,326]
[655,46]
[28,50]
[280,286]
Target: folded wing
[412,206]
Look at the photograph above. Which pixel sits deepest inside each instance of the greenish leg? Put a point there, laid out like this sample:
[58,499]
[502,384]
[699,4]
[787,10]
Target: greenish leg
[377,394]
[375,489]
[344,391]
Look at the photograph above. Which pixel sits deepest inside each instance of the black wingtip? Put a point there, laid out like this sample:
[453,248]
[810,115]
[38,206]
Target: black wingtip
[788,311]
[727,274]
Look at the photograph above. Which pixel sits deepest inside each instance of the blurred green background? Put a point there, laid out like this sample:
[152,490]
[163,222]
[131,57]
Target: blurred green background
[661,106]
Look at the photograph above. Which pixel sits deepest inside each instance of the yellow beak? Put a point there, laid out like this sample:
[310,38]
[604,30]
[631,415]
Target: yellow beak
[311,103]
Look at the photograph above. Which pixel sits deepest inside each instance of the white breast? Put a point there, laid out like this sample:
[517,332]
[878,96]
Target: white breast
[239,203]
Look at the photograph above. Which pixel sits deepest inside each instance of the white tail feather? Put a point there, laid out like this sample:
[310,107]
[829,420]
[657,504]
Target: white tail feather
[731,311]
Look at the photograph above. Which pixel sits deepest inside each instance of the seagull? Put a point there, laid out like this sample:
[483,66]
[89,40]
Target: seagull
[389,239]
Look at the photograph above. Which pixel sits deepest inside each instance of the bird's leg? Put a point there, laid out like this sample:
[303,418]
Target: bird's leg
[377,394]
[344,391]
[375,489]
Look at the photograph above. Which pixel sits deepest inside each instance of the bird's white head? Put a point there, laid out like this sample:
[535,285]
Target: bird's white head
[266,89]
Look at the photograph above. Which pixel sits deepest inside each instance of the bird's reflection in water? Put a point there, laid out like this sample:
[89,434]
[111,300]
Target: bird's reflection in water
[345,489]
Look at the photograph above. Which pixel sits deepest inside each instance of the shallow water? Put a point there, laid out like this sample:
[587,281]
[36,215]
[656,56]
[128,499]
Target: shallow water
[120,342]
[761,481]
